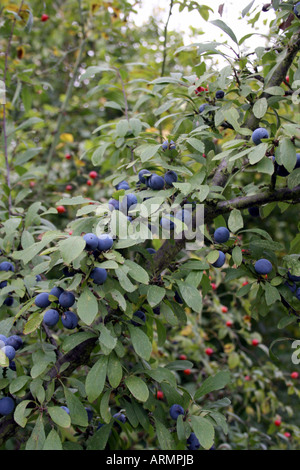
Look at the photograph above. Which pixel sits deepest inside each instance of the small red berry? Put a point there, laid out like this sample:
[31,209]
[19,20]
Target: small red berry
[69,187]
[89,183]
[93,174]
[247,378]
[68,156]
[277,422]
[203,155]
[71,232]
[187,371]
[229,323]
[32,184]
[209,351]
[44,17]
[255,342]
[160,395]
[183,357]
[287,79]
[61,209]
[287,434]
[200,89]
[213,286]
[294,375]
[224,309]
[245,283]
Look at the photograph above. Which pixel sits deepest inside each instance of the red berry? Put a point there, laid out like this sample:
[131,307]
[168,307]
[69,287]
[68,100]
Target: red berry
[200,89]
[69,187]
[229,323]
[32,184]
[61,209]
[287,79]
[209,351]
[183,357]
[224,309]
[71,232]
[203,155]
[159,395]
[68,156]
[213,286]
[294,375]
[247,378]
[89,183]
[93,174]
[44,17]
[255,342]
[245,283]
[187,371]
[277,422]
[287,434]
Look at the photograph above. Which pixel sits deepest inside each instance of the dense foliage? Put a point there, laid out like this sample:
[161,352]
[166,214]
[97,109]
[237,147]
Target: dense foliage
[140,341]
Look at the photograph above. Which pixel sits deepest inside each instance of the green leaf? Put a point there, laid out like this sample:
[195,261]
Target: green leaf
[71,248]
[18,383]
[271,294]
[87,306]
[106,338]
[53,441]
[21,413]
[220,24]
[214,382]
[122,128]
[260,108]
[59,416]
[204,431]
[190,295]
[287,152]
[148,151]
[257,153]
[197,144]
[99,440]
[78,413]
[114,370]
[155,295]
[37,437]
[137,387]
[95,380]
[247,8]
[164,437]
[104,407]
[140,342]
[235,221]
[237,255]
[136,272]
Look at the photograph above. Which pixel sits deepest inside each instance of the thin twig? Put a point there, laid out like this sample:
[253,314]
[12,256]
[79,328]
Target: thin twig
[8,182]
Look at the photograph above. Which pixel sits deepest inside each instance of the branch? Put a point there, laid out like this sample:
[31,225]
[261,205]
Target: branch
[65,105]
[76,357]
[165,40]
[4,108]
[170,249]
[252,122]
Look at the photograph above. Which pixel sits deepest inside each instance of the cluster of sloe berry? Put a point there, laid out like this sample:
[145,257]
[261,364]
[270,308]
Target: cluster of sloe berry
[295,286]
[63,300]
[192,441]
[97,245]
[9,346]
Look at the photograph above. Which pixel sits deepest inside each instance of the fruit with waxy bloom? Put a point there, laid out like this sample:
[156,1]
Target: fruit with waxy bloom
[175,411]
[258,134]
[69,319]
[7,406]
